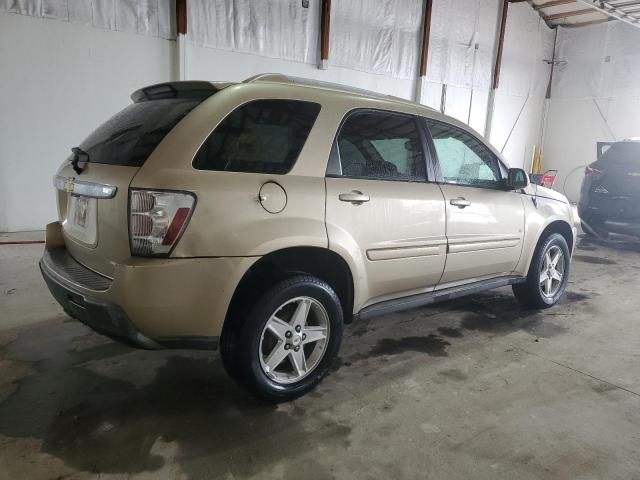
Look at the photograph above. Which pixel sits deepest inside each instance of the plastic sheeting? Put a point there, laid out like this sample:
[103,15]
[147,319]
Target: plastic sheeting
[147,17]
[377,36]
[528,52]
[272,28]
[598,61]
[463,41]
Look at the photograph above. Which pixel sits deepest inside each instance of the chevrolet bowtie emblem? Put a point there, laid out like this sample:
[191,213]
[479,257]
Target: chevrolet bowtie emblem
[68,185]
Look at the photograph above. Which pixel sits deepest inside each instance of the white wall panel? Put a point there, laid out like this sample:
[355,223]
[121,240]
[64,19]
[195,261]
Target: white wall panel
[75,78]
[478,114]
[432,95]
[458,103]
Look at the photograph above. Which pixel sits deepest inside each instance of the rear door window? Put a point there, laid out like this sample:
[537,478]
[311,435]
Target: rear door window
[130,136]
[380,145]
[263,136]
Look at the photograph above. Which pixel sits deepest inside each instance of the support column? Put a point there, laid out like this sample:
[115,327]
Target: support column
[325,27]
[496,70]
[424,52]
[181,40]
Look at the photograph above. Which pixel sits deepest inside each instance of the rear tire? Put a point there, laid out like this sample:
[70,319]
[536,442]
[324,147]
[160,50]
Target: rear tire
[548,274]
[289,339]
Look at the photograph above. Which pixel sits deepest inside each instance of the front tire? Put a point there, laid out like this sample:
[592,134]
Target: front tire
[289,339]
[548,274]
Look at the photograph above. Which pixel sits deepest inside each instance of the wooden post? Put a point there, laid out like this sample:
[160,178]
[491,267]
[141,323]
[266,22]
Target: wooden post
[426,31]
[181,16]
[503,29]
[325,27]
[496,70]
[424,51]
[181,30]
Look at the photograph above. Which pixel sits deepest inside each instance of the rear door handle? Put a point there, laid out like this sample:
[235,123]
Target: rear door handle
[460,202]
[356,197]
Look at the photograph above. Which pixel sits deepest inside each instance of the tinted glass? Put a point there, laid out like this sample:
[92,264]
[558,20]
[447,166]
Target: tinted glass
[383,146]
[623,154]
[264,136]
[130,136]
[464,159]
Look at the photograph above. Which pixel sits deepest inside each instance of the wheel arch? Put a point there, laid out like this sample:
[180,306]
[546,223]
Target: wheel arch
[322,263]
[557,225]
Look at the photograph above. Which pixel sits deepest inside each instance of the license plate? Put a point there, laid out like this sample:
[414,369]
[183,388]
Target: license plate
[81,219]
[81,206]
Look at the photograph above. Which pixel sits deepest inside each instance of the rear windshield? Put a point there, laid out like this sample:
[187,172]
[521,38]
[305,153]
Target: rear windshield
[263,136]
[622,153]
[129,137]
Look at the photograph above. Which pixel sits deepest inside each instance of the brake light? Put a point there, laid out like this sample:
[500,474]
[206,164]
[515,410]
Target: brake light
[592,172]
[157,220]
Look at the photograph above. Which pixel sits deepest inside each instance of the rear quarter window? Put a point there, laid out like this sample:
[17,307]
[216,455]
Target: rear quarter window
[263,136]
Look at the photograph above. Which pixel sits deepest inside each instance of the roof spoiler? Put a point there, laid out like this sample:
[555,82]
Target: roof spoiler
[188,89]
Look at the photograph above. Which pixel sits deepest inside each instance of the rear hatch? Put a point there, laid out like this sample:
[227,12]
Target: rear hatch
[92,184]
[612,183]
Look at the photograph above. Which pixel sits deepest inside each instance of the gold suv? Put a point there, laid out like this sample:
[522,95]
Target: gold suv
[260,216]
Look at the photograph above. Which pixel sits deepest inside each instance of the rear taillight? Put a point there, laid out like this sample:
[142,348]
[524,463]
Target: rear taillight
[592,172]
[157,220]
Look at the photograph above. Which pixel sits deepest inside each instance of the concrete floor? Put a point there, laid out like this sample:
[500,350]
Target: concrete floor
[476,388]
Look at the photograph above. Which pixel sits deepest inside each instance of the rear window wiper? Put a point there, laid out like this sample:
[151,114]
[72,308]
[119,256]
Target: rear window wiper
[78,154]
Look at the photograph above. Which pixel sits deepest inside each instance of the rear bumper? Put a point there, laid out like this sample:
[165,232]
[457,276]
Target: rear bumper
[102,316]
[601,222]
[149,302]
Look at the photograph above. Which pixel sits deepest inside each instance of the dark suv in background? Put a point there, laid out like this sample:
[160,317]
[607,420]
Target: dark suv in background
[610,194]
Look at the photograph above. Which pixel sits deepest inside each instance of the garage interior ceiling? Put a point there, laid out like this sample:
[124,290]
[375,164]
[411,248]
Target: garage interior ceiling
[577,13]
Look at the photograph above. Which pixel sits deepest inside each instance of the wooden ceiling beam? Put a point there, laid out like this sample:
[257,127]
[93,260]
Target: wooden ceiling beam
[554,3]
[570,13]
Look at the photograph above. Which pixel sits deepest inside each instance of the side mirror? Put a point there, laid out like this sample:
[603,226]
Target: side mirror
[517,179]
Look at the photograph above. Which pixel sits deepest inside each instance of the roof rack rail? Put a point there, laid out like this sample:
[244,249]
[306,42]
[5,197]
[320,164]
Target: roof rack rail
[281,78]
[268,77]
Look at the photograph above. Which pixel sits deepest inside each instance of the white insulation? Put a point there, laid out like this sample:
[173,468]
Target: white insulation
[462,42]
[146,17]
[598,61]
[376,36]
[272,28]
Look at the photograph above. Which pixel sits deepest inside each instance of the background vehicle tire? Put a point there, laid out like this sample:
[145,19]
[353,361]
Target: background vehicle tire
[592,232]
[289,339]
[548,274]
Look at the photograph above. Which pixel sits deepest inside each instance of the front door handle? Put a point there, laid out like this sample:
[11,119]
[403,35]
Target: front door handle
[460,202]
[356,197]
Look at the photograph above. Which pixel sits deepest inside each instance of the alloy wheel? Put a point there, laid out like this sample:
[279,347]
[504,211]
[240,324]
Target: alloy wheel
[552,271]
[294,340]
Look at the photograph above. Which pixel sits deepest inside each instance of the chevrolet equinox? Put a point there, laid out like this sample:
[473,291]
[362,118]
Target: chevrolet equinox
[261,216]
